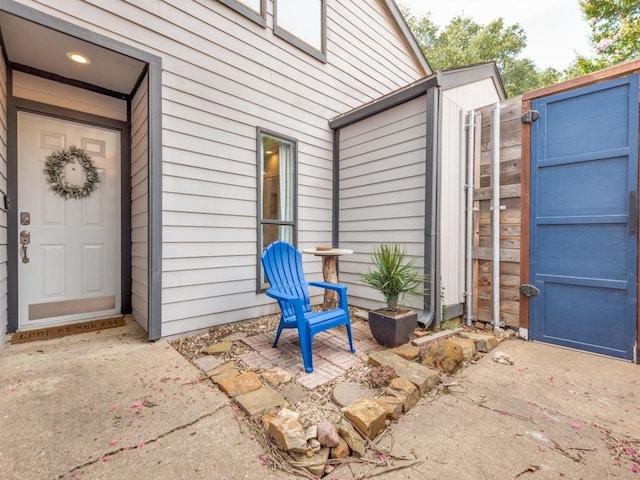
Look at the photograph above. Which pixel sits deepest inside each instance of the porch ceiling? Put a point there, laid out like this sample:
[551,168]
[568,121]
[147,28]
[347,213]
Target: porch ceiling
[31,47]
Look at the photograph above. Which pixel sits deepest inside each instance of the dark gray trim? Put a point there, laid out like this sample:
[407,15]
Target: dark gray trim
[298,42]
[259,221]
[68,81]
[16,105]
[335,222]
[12,211]
[125,217]
[431,233]
[401,23]
[259,18]
[155,200]
[387,102]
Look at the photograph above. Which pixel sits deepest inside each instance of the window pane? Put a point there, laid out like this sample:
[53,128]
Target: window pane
[302,18]
[277,179]
[271,233]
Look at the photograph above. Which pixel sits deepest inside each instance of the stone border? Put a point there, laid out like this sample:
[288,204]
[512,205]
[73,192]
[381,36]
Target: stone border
[364,419]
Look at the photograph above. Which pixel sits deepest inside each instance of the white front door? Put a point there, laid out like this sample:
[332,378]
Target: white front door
[70,269]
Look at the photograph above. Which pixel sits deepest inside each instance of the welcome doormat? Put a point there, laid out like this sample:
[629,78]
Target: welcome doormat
[64,330]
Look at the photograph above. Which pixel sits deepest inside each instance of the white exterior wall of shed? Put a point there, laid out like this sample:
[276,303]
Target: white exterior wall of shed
[455,104]
[222,76]
[382,192]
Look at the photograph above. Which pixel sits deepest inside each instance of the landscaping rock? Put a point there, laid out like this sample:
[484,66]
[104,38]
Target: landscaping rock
[243,383]
[445,356]
[484,342]
[225,370]
[294,393]
[288,434]
[314,445]
[346,393]
[276,376]
[288,413]
[468,347]
[422,377]
[327,434]
[315,464]
[220,347]
[405,391]
[392,405]
[407,351]
[207,362]
[367,416]
[260,401]
[342,450]
[352,437]
[503,358]
[311,432]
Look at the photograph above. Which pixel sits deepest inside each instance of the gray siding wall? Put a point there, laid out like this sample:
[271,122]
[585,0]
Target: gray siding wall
[3,189]
[223,76]
[382,192]
[140,205]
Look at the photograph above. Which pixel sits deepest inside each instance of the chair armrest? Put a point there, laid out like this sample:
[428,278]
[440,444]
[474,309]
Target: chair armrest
[329,286]
[280,295]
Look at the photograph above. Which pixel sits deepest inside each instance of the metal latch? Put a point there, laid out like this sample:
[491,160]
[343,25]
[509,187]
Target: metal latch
[530,117]
[529,290]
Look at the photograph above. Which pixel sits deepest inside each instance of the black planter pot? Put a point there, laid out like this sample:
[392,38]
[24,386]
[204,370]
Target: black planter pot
[392,330]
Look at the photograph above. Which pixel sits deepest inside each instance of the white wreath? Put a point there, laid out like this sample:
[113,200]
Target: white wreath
[54,171]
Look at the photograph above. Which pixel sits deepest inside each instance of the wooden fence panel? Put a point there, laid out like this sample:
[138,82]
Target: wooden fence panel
[510,218]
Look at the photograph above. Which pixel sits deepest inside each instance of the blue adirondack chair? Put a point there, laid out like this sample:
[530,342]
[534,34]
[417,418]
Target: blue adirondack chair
[283,267]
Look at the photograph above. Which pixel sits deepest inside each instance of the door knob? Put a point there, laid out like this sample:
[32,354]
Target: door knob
[25,239]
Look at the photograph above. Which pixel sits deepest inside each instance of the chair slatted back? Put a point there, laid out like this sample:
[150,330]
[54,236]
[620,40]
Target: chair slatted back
[283,267]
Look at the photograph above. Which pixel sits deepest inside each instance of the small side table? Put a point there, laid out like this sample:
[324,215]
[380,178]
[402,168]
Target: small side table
[329,271]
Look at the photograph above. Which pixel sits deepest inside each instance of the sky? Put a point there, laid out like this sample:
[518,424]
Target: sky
[555,29]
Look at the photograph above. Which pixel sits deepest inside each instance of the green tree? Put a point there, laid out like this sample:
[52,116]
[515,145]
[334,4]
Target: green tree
[615,34]
[466,42]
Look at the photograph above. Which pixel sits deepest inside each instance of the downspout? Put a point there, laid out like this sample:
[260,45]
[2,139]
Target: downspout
[335,201]
[471,134]
[431,304]
[495,218]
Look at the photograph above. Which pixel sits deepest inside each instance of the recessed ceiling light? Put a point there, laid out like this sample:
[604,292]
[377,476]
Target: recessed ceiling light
[78,58]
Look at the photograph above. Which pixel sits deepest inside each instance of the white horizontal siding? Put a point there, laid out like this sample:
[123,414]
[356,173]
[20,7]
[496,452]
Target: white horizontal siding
[223,76]
[382,192]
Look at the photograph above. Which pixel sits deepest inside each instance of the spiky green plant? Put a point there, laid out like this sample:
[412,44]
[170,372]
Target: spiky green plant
[394,275]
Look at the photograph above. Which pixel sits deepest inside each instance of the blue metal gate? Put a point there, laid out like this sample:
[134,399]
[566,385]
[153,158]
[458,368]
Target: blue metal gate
[583,251]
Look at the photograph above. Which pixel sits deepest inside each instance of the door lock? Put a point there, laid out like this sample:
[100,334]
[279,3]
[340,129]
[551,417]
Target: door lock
[529,290]
[25,239]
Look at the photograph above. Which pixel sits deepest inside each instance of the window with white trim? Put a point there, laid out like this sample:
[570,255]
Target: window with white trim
[303,24]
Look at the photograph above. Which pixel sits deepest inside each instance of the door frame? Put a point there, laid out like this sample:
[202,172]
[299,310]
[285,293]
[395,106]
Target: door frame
[154,164]
[22,105]
[617,71]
